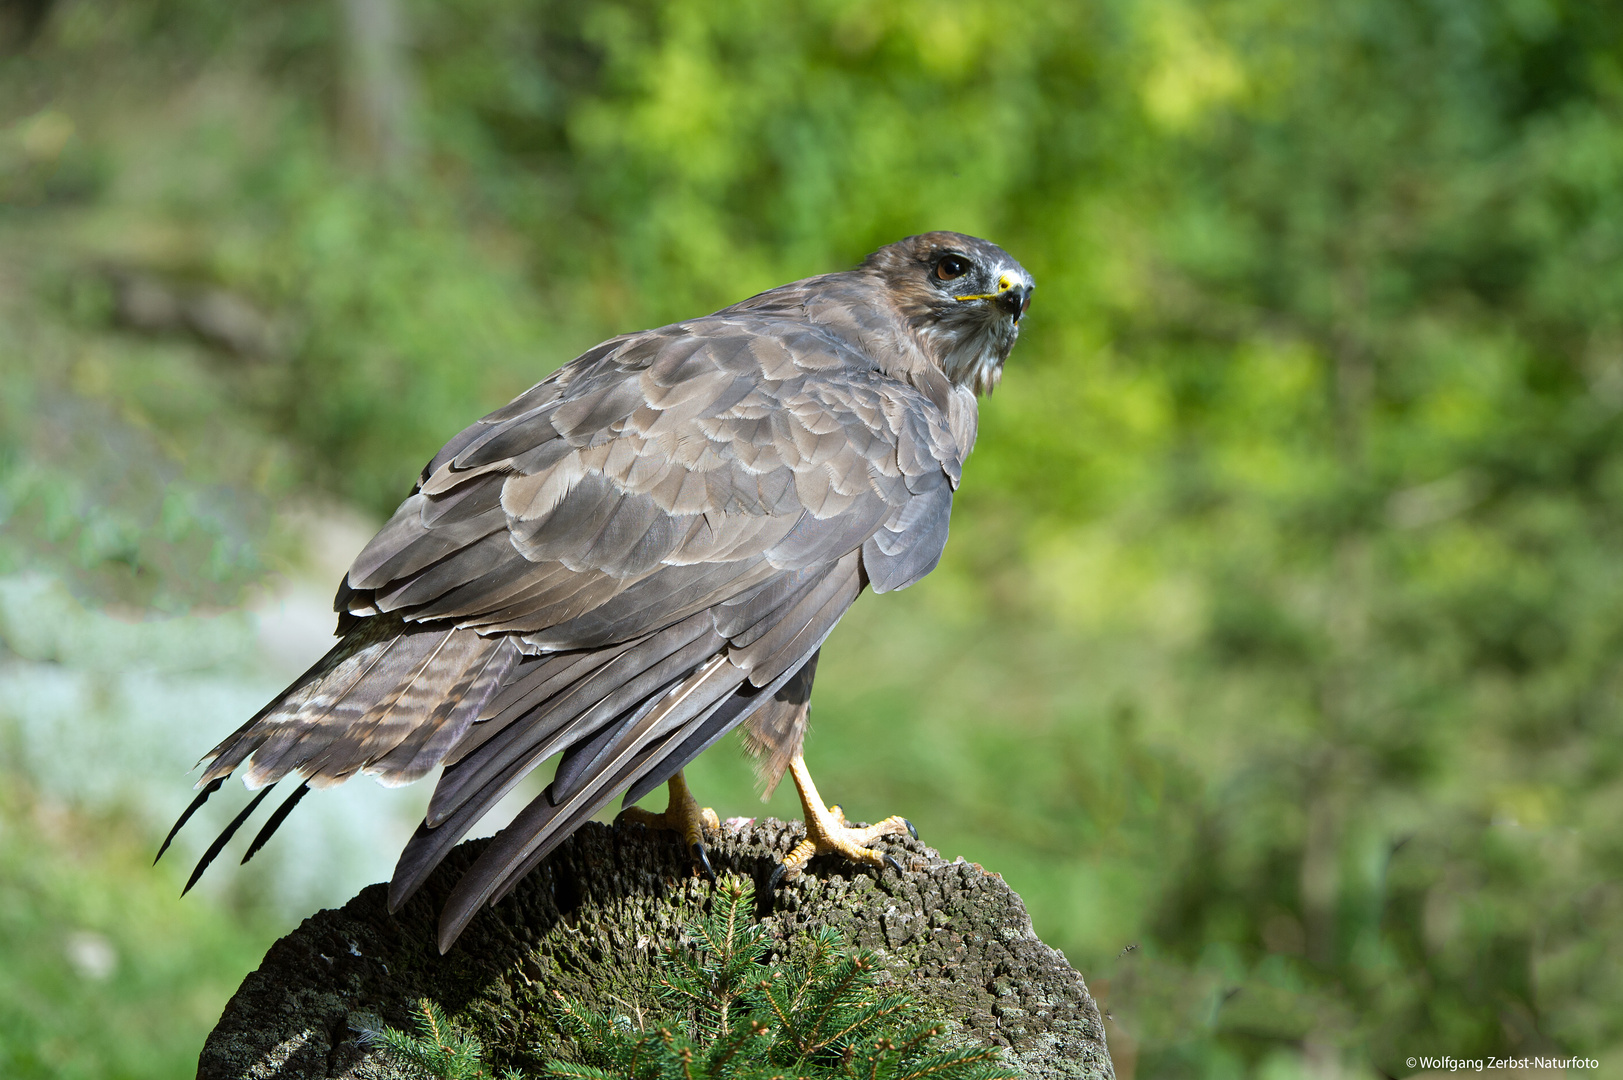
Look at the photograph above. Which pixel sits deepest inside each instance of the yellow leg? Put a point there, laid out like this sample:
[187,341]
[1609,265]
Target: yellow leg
[683,815]
[827,832]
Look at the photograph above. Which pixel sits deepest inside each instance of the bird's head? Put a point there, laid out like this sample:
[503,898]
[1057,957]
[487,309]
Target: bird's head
[963,297]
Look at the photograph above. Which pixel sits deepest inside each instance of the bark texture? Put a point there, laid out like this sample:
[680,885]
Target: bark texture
[590,923]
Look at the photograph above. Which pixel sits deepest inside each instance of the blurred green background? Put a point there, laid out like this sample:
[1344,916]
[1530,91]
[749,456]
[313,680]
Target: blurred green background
[1277,656]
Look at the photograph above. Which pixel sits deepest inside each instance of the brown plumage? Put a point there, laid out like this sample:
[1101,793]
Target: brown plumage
[644,550]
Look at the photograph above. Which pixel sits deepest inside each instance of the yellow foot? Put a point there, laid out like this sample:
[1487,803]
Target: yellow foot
[684,815]
[828,833]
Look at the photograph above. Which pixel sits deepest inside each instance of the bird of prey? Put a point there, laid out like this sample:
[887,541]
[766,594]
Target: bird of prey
[641,552]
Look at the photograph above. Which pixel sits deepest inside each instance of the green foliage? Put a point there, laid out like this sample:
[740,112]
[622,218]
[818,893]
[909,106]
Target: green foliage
[102,973]
[822,1014]
[437,1048]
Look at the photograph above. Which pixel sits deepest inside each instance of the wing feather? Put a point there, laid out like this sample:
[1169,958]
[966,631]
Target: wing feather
[417,545]
[435,838]
[814,612]
[461,566]
[910,542]
[535,831]
[555,715]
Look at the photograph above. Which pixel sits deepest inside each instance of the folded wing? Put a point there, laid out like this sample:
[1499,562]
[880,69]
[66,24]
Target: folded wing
[617,567]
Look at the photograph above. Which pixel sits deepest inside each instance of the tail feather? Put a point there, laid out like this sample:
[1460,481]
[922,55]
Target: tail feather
[387,699]
[411,706]
[314,738]
[344,663]
[340,706]
[223,839]
[389,705]
[534,683]
[428,744]
[274,822]
[186,815]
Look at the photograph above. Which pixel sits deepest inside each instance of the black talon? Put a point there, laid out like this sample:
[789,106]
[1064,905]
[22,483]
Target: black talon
[895,866]
[704,861]
[777,876]
[911,831]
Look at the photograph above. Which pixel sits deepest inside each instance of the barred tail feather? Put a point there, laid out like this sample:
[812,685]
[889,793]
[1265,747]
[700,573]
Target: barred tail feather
[388,699]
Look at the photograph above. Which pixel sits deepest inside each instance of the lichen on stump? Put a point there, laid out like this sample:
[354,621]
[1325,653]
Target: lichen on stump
[589,924]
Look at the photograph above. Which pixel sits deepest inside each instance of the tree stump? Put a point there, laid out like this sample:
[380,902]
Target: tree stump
[590,923]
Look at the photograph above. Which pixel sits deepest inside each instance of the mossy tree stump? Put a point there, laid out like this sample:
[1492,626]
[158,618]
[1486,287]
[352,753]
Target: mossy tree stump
[590,923]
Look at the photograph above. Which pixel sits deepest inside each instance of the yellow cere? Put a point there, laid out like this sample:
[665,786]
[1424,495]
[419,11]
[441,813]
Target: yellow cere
[1003,286]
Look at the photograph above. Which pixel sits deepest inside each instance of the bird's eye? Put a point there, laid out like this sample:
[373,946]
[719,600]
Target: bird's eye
[951,266]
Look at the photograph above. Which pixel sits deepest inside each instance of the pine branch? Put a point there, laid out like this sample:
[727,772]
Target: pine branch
[820,1016]
[437,1048]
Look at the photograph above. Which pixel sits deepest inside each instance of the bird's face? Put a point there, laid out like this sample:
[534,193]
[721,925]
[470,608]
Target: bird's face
[963,296]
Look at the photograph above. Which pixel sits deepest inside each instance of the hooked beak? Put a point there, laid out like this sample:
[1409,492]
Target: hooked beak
[1014,301]
[1010,298]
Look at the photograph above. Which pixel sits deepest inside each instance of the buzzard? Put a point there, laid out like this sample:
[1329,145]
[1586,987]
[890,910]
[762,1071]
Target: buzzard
[641,552]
